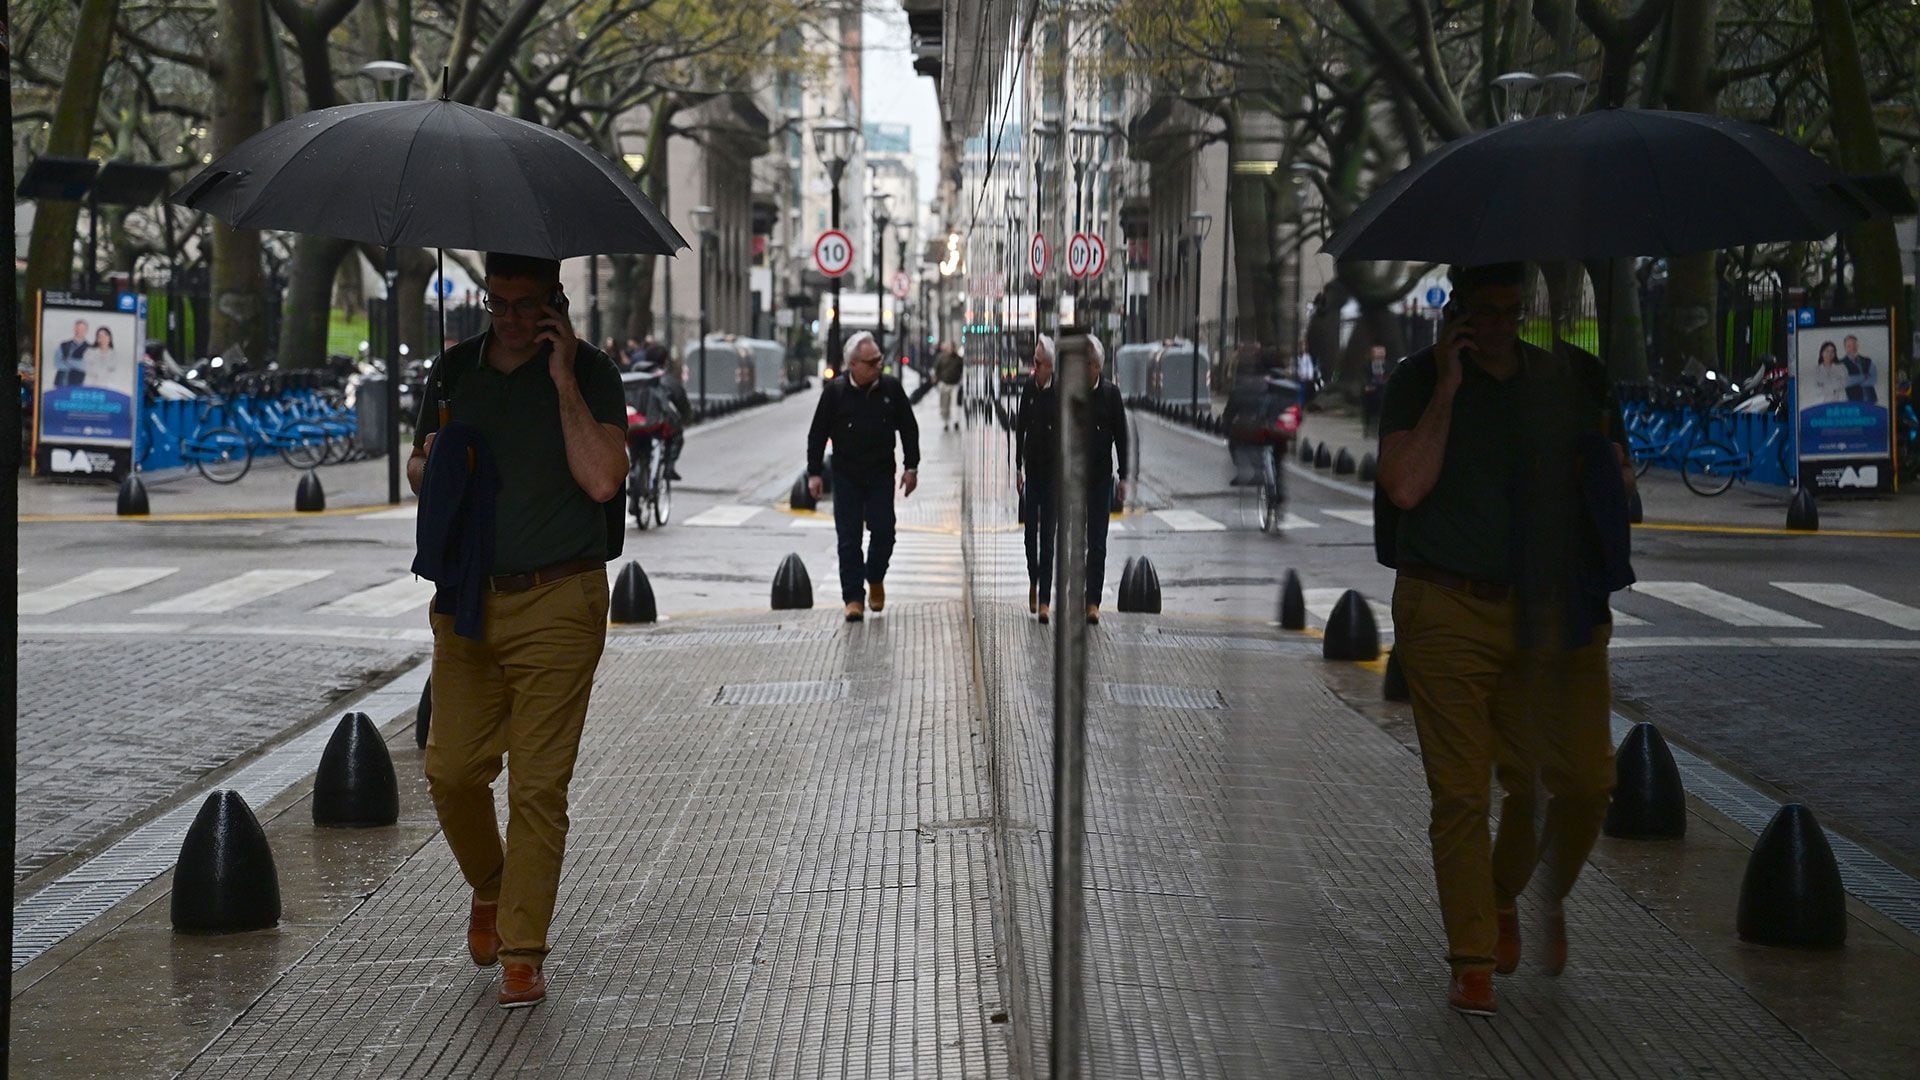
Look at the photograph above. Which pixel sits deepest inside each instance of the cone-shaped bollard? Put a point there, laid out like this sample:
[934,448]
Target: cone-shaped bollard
[1125,591]
[1792,893]
[1635,512]
[1394,686]
[801,498]
[1323,458]
[1802,514]
[1343,463]
[1293,603]
[423,715]
[792,588]
[1146,588]
[310,497]
[355,787]
[632,600]
[133,497]
[1369,468]
[225,881]
[1306,451]
[1351,634]
[1649,802]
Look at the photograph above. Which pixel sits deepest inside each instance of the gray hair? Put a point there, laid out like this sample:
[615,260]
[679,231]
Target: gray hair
[1099,350]
[852,345]
[1045,345]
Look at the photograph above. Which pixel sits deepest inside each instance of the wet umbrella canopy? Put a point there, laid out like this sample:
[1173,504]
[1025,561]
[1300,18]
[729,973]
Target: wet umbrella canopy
[1617,182]
[432,174]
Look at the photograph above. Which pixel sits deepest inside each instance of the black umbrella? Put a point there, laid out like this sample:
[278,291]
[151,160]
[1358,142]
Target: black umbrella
[1617,182]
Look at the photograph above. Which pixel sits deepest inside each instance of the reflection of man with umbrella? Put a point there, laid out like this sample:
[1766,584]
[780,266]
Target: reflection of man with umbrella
[516,470]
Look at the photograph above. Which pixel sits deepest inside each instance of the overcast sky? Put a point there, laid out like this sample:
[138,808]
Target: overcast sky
[895,94]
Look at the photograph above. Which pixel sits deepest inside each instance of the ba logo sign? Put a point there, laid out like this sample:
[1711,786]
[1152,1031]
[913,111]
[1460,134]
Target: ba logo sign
[1866,476]
[73,461]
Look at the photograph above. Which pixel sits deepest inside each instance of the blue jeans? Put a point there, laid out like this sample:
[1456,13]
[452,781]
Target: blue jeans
[862,502]
[1040,533]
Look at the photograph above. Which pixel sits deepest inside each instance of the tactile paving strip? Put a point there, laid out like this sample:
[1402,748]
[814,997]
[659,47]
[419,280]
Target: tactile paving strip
[801,692]
[1165,697]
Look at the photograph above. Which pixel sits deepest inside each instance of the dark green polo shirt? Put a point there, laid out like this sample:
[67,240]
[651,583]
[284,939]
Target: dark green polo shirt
[542,516]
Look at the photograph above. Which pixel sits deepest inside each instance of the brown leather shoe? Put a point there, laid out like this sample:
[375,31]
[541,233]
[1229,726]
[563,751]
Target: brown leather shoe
[1471,992]
[1045,613]
[1506,951]
[483,937]
[1556,958]
[1093,614]
[1033,597]
[522,985]
[876,595]
[856,611]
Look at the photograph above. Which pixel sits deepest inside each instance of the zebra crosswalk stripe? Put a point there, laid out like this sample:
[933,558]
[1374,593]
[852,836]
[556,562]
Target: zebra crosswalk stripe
[396,597]
[1188,521]
[725,515]
[91,585]
[1856,600]
[1720,606]
[234,592]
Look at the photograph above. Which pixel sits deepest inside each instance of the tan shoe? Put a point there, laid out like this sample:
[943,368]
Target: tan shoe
[1506,951]
[1093,614]
[483,935]
[1033,597]
[1471,992]
[1045,613]
[522,985]
[856,611]
[876,595]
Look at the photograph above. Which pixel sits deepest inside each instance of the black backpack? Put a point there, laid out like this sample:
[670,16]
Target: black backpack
[465,356]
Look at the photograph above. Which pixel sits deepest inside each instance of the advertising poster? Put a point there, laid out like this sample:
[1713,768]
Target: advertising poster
[87,383]
[1843,395]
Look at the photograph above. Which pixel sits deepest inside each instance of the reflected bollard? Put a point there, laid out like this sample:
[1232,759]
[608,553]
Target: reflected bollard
[1293,603]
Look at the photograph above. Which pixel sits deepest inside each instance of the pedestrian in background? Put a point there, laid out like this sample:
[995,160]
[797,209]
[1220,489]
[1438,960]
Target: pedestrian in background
[861,412]
[1374,390]
[1106,442]
[1034,452]
[519,553]
[1498,458]
[947,370]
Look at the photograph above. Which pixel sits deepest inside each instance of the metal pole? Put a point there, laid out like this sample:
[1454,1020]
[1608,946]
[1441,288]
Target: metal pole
[1194,338]
[442,289]
[833,327]
[703,320]
[394,369]
[10,422]
[1069,707]
[93,242]
[880,290]
[593,299]
[1226,242]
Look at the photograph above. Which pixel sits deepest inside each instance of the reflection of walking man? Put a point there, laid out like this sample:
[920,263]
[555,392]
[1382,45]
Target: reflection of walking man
[1033,458]
[947,371]
[513,662]
[70,358]
[861,411]
[1106,441]
[1863,383]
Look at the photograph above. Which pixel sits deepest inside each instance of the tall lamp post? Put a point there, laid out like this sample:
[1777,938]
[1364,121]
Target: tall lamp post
[879,199]
[1297,316]
[394,75]
[703,224]
[1046,139]
[1022,266]
[833,141]
[1199,221]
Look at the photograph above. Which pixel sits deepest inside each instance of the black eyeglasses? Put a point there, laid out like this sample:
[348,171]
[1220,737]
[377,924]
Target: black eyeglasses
[527,306]
[1516,313]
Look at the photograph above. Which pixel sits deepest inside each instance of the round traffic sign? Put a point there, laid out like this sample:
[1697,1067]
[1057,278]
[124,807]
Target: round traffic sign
[833,253]
[1436,296]
[1099,255]
[1037,253]
[902,284]
[1079,255]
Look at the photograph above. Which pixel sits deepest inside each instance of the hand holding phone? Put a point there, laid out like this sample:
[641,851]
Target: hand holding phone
[558,344]
[1456,341]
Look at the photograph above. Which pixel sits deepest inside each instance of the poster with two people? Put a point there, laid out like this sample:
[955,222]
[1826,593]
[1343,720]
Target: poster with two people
[1844,393]
[87,378]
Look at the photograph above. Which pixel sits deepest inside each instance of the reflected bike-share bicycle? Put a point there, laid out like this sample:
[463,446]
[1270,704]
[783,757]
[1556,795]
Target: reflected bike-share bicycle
[652,422]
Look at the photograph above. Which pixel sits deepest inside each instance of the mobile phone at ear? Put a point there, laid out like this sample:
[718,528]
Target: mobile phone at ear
[557,299]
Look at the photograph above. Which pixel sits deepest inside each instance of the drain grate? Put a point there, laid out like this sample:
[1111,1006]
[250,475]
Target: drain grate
[811,692]
[1165,697]
[769,635]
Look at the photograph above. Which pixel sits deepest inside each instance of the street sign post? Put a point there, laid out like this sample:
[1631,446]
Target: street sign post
[833,253]
[1079,255]
[1037,253]
[1099,255]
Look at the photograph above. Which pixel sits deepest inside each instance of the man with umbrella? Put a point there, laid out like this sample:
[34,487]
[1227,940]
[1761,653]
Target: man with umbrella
[1505,557]
[548,411]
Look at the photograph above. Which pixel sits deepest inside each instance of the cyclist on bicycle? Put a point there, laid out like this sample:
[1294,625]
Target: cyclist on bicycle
[1262,418]
[653,365]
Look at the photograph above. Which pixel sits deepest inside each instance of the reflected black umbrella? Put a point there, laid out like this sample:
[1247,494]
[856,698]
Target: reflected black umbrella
[1618,182]
[430,174]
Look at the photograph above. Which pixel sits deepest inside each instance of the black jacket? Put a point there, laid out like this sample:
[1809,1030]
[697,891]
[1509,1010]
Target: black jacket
[862,424]
[1106,437]
[1034,432]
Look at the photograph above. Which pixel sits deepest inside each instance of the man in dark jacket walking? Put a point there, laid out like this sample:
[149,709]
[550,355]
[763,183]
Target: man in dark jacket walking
[862,411]
[1106,443]
[1034,436]
[947,371]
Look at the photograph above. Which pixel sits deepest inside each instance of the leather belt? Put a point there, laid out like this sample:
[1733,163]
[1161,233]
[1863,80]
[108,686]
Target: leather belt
[544,576]
[1493,591]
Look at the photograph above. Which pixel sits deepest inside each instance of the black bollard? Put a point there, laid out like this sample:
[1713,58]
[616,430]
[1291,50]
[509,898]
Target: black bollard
[1369,468]
[792,588]
[1306,451]
[1649,802]
[1322,457]
[1792,893]
[1125,591]
[1293,603]
[632,600]
[1394,686]
[801,498]
[355,787]
[1635,513]
[423,715]
[133,497]
[1343,463]
[310,497]
[1351,634]
[225,881]
[1146,588]
[1802,514]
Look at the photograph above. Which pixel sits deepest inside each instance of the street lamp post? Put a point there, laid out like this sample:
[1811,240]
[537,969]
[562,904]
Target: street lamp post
[1021,266]
[388,74]
[880,222]
[703,224]
[833,141]
[1200,221]
[1046,137]
[1297,316]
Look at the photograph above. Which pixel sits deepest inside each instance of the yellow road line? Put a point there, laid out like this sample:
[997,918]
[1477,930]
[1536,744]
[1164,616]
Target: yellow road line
[211,515]
[1756,530]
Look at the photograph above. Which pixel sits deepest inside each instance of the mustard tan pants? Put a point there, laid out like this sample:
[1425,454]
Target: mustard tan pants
[1534,718]
[521,693]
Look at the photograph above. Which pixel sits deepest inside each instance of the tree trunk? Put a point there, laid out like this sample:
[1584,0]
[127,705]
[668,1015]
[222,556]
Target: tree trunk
[1876,253]
[50,250]
[1687,325]
[238,111]
[1252,260]
[308,307]
[1623,338]
[417,267]
[653,183]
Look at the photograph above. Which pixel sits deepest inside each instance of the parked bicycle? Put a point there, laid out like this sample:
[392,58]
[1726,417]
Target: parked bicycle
[221,454]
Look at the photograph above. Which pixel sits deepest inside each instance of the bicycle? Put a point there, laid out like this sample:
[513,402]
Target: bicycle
[220,453]
[1715,461]
[300,443]
[649,490]
[1273,488]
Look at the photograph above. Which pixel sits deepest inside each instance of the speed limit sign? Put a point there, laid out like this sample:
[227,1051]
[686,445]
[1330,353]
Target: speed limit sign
[833,253]
[1079,255]
[1037,254]
[1099,255]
